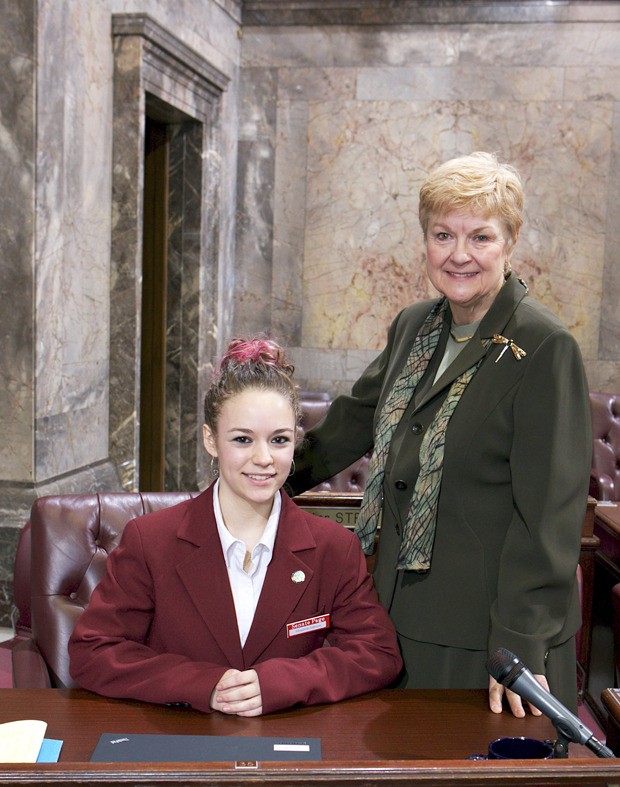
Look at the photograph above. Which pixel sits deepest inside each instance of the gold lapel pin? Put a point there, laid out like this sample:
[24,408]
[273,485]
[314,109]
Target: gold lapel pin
[298,576]
[516,350]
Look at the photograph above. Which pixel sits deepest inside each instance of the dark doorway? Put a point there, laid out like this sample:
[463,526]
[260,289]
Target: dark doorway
[168,238]
[154,296]
[170,302]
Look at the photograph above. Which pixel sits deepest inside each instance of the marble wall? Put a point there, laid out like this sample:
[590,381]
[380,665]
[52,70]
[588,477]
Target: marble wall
[17,226]
[60,282]
[339,124]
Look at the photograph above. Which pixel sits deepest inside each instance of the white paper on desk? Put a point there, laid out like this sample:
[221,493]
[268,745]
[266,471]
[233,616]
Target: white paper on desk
[20,741]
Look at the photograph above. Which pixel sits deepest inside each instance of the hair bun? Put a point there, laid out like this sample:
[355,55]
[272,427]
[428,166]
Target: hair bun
[257,351]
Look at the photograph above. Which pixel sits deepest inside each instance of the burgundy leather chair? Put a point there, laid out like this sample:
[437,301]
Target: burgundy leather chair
[314,406]
[72,536]
[605,471]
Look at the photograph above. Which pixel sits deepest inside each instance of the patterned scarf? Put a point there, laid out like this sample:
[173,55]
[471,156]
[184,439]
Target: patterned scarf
[419,532]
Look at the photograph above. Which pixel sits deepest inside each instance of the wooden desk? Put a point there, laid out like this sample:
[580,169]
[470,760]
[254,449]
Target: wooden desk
[606,575]
[393,736]
[611,702]
[607,528]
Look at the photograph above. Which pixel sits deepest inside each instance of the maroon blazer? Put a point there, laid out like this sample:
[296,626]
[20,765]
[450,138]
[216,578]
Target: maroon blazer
[161,624]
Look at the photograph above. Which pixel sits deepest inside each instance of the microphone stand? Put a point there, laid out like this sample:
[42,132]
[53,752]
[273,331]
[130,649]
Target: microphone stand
[512,673]
[560,746]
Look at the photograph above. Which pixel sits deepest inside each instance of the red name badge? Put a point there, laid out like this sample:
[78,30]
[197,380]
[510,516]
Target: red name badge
[307,625]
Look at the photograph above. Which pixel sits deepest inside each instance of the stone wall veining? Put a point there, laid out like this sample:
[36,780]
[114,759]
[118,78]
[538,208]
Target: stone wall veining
[362,114]
[17,164]
[72,238]
[60,424]
[56,110]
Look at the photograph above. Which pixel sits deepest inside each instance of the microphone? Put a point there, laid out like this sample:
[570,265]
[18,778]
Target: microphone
[511,672]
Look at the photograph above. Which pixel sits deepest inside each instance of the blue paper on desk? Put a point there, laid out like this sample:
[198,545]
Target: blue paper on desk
[50,750]
[119,747]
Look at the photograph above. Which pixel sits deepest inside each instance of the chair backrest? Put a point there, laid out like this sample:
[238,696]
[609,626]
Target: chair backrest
[314,406]
[605,471]
[72,536]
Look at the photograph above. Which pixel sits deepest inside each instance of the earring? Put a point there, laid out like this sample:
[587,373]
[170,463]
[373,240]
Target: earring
[292,469]
[507,269]
[215,467]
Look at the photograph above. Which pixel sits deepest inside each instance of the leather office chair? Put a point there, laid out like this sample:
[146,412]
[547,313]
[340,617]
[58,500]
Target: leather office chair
[72,536]
[605,471]
[314,406]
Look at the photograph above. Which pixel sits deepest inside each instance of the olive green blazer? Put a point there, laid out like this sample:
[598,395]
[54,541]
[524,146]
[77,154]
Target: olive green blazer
[514,485]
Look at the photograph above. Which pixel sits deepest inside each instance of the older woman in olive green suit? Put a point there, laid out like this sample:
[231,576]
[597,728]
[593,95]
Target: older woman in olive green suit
[477,412]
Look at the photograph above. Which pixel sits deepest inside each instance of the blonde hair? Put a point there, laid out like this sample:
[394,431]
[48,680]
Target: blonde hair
[476,183]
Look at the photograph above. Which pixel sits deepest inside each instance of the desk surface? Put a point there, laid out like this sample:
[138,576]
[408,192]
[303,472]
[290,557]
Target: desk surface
[607,528]
[400,737]
[610,515]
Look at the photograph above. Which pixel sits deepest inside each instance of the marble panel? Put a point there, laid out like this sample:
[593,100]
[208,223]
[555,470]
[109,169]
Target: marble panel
[596,83]
[454,82]
[216,276]
[65,440]
[530,45]
[526,45]
[255,195]
[603,375]
[343,47]
[289,221]
[609,348]
[184,217]
[72,240]
[253,275]
[313,84]
[333,371]
[361,226]
[404,12]
[126,251]
[254,227]
[17,163]
[363,249]
[208,27]
[257,102]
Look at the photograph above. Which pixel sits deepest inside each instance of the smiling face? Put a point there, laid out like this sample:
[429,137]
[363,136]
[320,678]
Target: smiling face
[466,256]
[254,444]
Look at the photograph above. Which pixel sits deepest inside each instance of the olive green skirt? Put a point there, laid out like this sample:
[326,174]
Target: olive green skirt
[429,666]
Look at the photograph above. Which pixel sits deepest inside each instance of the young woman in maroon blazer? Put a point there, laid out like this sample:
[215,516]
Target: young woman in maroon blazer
[227,601]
